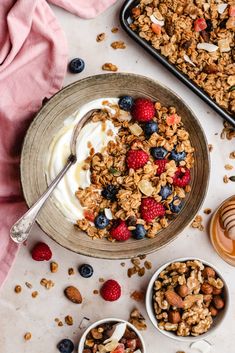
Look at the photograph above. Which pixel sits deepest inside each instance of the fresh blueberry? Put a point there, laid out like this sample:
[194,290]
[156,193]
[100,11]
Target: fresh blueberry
[165,192]
[176,208]
[65,346]
[101,221]
[110,192]
[177,156]
[139,232]
[150,127]
[126,103]
[76,66]
[158,152]
[86,270]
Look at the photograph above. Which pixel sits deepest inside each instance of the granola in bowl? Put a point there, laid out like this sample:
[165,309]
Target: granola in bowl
[197,37]
[139,181]
[187,298]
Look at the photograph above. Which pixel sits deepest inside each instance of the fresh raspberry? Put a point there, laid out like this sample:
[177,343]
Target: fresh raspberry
[161,165]
[136,159]
[41,252]
[120,231]
[111,290]
[151,209]
[181,177]
[143,110]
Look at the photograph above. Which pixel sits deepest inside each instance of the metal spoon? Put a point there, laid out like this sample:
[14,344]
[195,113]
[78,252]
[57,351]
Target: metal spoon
[21,229]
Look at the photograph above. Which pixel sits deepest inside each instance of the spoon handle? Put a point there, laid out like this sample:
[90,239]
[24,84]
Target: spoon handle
[21,229]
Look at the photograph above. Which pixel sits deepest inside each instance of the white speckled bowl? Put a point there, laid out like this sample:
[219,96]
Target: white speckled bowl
[216,321]
[97,323]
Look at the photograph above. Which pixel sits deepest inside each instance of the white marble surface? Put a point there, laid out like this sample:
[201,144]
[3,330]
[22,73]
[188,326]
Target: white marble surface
[20,313]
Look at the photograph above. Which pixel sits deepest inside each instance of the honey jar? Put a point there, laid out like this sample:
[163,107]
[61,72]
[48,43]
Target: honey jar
[222,230]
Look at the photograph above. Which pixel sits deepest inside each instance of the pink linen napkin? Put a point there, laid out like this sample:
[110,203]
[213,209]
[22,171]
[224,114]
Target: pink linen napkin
[33,61]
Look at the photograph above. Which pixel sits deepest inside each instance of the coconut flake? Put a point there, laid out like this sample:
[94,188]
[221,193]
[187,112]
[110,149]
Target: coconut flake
[208,47]
[124,116]
[206,6]
[221,8]
[155,20]
[138,351]
[136,129]
[117,333]
[108,213]
[201,346]
[188,60]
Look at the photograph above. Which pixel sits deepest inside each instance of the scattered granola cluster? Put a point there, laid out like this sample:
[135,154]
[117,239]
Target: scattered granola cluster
[196,36]
[137,320]
[140,179]
[138,267]
[187,295]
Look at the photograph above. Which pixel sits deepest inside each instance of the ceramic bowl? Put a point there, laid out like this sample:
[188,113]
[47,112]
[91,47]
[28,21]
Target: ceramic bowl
[50,119]
[216,321]
[103,321]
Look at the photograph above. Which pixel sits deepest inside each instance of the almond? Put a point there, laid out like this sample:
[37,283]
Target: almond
[73,294]
[183,290]
[217,291]
[208,272]
[174,317]
[174,299]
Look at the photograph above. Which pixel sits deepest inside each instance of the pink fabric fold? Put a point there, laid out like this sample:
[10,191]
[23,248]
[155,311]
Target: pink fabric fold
[33,62]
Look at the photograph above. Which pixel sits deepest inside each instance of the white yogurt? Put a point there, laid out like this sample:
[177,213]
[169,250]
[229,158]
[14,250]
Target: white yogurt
[59,150]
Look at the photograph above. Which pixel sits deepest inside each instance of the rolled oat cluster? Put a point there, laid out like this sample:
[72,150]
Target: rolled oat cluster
[187,295]
[139,181]
[196,36]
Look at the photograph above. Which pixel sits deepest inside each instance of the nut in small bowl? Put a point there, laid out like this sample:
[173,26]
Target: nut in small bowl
[111,335]
[187,299]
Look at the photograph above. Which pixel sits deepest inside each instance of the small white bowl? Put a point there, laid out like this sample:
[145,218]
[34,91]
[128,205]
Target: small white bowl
[103,321]
[150,310]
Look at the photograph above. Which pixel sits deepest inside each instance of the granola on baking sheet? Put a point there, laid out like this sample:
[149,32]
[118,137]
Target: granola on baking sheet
[187,296]
[198,37]
[138,181]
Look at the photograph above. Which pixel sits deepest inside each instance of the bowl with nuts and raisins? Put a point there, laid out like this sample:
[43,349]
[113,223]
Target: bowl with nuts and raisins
[187,299]
[111,335]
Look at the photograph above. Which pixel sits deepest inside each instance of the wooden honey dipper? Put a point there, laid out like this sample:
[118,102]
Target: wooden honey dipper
[227,217]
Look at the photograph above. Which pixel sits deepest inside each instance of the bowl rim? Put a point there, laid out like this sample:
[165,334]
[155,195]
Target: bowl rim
[101,321]
[105,254]
[149,306]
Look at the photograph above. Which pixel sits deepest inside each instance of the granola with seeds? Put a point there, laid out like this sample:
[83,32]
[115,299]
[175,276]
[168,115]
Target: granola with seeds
[139,181]
[197,37]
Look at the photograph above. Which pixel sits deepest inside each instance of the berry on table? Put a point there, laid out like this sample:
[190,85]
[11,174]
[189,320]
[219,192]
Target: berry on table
[65,346]
[41,252]
[86,270]
[177,156]
[101,221]
[110,192]
[165,192]
[150,127]
[181,177]
[151,209]
[139,232]
[120,231]
[110,290]
[136,159]
[161,165]
[176,205]
[143,110]
[126,103]
[158,152]
[76,66]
